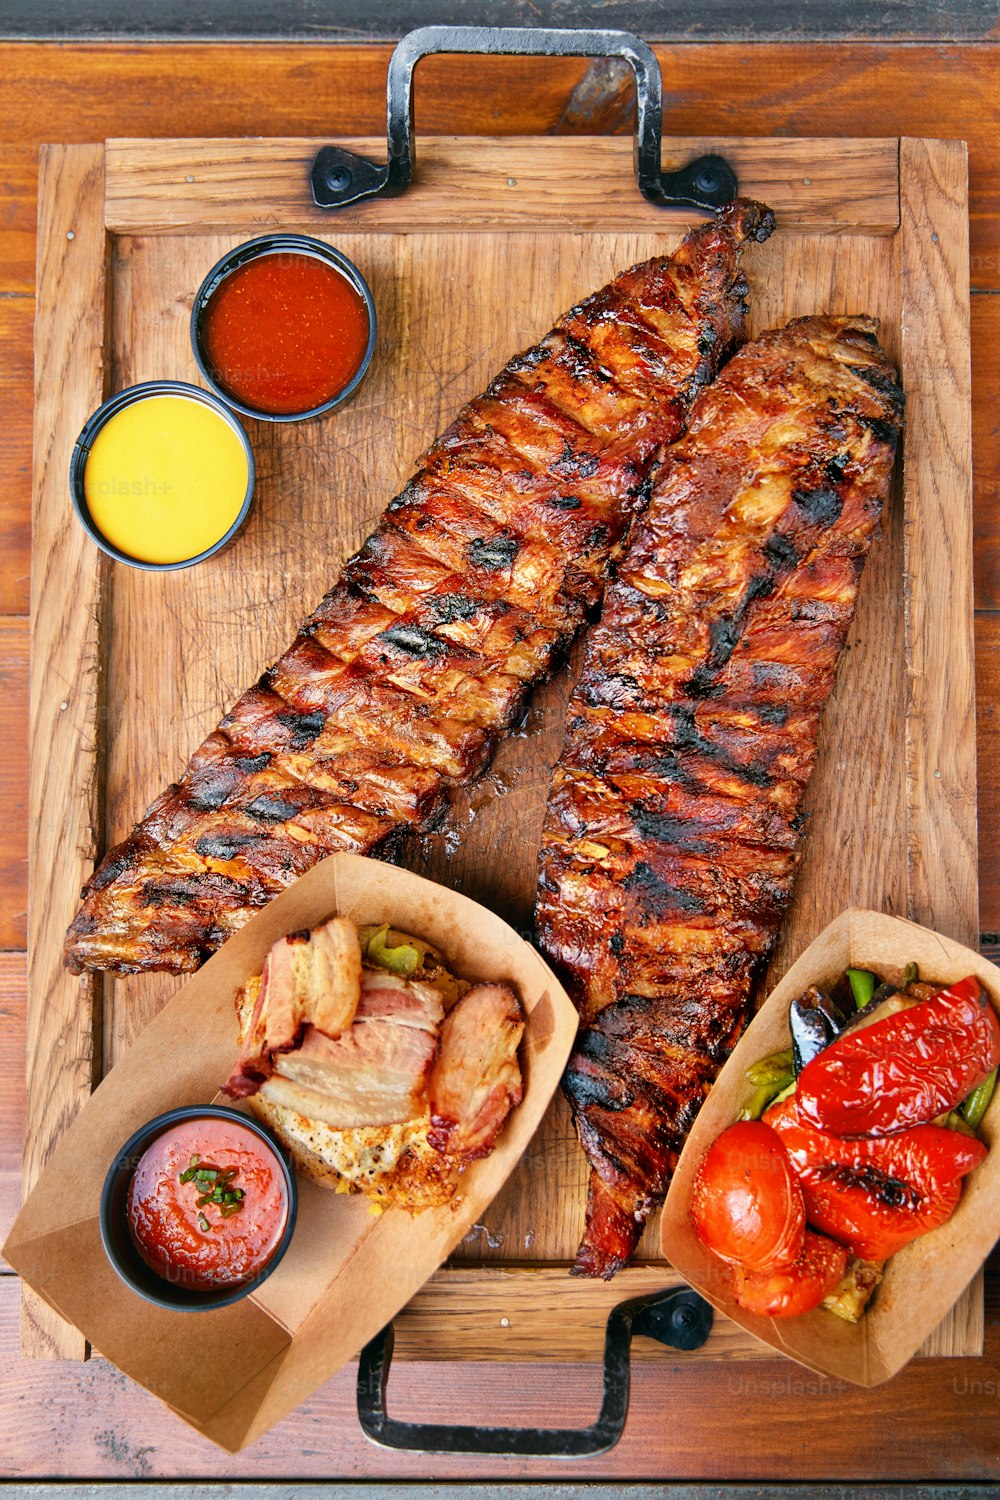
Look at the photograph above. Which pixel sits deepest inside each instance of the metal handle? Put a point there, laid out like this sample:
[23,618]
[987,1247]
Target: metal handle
[341,177]
[679,1318]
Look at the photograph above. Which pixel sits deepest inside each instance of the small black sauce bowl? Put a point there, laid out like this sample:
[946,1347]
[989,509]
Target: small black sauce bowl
[280,244]
[85,442]
[117,1240]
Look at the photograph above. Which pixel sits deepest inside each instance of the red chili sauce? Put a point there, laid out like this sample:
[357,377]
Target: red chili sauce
[213,1245]
[285,333]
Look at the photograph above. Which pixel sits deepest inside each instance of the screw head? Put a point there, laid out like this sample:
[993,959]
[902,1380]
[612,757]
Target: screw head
[338,178]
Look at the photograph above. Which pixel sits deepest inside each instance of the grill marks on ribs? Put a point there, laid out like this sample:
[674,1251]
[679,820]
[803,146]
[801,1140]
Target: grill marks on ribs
[672,828]
[477,577]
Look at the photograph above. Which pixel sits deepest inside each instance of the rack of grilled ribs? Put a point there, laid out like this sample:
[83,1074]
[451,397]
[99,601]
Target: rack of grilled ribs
[672,829]
[475,580]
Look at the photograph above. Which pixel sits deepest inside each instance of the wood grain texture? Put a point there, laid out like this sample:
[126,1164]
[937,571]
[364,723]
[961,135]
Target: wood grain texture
[986,449]
[585,185]
[13,993]
[937,472]
[80,92]
[75,1419]
[66,674]
[14,782]
[17,318]
[988,779]
[320,487]
[502,1314]
[689,1418]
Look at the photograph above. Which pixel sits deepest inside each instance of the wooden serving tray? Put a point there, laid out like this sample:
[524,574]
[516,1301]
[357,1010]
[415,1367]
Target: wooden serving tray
[493,241]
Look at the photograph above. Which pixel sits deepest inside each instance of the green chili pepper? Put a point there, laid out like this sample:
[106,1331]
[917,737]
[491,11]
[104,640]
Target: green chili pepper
[910,976]
[760,1099]
[974,1107]
[953,1121]
[862,983]
[402,959]
[770,1069]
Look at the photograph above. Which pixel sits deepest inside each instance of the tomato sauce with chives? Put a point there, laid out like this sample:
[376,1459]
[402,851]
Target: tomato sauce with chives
[285,333]
[207,1204]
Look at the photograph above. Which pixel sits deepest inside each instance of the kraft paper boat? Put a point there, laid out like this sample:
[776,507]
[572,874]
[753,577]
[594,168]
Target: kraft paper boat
[926,1277]
[232,1373]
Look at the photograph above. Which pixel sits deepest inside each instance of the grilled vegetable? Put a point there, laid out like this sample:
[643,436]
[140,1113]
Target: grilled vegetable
[862,983]
[794,1289]
[746,1206]
[975,1106]
[906,1069]
[813,1021]
[855,1290]
[875,1195]
[769,1077]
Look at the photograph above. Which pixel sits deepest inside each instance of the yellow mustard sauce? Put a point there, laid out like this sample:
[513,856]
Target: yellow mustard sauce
[165,479]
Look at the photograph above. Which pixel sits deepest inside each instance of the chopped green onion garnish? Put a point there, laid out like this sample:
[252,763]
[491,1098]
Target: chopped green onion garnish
[203,1223]
[206,1174]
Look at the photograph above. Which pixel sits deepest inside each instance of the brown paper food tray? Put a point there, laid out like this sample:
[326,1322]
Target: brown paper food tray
[494,239]
[924,1279]
[234,1372]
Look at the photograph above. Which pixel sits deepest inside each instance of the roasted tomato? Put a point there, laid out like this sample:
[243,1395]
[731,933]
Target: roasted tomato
[799,1287]
[876,1195]
[905,1070]
[746,1205]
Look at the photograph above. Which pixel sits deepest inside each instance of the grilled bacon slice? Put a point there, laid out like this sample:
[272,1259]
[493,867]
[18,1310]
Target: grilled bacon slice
[476,579]
[476,1078]
[672,828]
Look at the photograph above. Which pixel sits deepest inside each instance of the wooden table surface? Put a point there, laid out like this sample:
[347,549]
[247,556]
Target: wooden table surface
[764,1420]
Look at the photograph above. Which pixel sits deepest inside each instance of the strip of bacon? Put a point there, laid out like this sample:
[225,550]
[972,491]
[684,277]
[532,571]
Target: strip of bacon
[312,978]
[476,1080]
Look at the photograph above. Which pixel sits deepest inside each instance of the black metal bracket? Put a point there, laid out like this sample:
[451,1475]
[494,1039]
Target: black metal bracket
[679,1318]
[341,177]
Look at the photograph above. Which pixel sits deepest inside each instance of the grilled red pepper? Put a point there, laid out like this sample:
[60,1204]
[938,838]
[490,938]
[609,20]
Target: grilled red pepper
[906,1069]
[875,1195]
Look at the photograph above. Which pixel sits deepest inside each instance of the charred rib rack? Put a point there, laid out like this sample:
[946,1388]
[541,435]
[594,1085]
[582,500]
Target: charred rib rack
[477,577]
[672,830]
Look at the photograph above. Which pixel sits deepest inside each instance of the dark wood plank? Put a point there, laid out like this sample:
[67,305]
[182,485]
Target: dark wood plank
[17,321]
[988,771]
[763,1418]
[341,21]
[18,183]
[986,448]
[13,789]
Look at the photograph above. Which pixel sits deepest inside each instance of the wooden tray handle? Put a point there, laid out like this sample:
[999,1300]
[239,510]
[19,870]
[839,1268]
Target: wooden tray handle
[339,177]
[679,1318]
